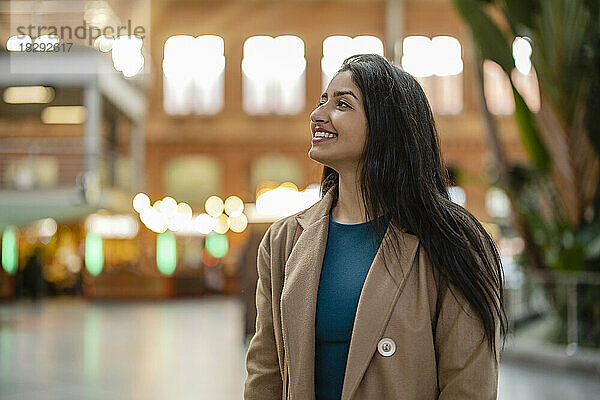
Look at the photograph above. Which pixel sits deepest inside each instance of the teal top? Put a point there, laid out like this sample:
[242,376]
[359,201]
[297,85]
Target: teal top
[348,258]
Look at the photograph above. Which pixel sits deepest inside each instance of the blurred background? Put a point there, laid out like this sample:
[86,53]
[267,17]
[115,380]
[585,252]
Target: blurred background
[147,145]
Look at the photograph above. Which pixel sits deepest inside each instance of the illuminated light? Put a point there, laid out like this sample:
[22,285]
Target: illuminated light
[497,89]
[123,48]
[281,201]
[189,226]
[28,94]
[367,44]
[47,227]
[166,253]
[521,50]
[457,195]
[185,210]
[31,234]
[43,229]
[217,245]
[64,115]
[417,58]
[10,250]
[98,14]
[127,55]
[203,223]
[178,221]
[264,188]
[497,203]
[273,75]
[67,256]
[153,219]
[183,215]
[290,185]
[524,76]
[104,43]
[193,71]
[423,57]
[276,201]
[234,206]
[45,41]
[112,226]
[168,207]
[134,66]
[447,53]
[528,87]
[141,201]
[18,43]
[221,223]
[437,64]
[214,206]
[338,47]
[94,256]
[238,223]
[208,259]
[175,224]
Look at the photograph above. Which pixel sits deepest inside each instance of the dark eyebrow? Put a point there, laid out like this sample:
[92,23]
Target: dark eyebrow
[341,93]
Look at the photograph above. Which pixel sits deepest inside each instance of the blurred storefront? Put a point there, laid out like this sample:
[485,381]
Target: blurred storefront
[186,107]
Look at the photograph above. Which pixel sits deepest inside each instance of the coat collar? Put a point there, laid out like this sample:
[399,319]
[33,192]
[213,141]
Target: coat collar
[382,287]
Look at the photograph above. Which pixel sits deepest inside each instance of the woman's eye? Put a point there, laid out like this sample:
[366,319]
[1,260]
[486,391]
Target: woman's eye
[340,103]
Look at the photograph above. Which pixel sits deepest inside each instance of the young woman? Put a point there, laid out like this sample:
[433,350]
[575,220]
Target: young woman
[385,288]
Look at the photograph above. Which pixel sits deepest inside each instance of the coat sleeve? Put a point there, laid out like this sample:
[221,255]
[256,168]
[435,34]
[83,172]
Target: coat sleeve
[467,367]
[264,380]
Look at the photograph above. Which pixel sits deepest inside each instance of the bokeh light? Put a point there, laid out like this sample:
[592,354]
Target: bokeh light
[214,206]
[166,253]
[217,245]
[234,206]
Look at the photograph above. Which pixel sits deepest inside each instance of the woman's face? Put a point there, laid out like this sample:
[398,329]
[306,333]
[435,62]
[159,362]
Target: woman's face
[340,111]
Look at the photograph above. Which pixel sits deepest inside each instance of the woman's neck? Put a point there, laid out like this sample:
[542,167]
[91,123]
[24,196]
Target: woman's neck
[348,208]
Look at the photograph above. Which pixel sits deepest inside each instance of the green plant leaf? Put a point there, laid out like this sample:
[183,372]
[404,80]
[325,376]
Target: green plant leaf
[486,34]
[530,135]
[494,46]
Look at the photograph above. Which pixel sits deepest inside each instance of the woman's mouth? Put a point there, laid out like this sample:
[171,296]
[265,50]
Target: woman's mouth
[321,136]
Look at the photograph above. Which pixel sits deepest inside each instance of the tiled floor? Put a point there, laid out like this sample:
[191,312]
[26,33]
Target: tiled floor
[188,349]
[164,350]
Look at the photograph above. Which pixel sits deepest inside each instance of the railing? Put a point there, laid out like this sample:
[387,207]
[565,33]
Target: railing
[529,296]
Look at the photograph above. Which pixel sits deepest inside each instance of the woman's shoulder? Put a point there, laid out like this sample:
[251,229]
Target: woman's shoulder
[280,232]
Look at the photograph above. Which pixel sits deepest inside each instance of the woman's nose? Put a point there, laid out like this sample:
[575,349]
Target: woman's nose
[318,115]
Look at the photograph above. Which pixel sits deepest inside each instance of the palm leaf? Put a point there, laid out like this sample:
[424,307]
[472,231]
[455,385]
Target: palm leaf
[494,46]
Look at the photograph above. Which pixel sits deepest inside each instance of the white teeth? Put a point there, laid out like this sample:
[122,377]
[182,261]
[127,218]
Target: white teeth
[324,134]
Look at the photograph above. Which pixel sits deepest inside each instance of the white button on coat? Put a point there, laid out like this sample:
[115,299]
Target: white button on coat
[386,347]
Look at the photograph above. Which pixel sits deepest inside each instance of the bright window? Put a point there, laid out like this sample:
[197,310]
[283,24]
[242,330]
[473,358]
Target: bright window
[498,92]
[496,86]
[437,64]
[274,73]
[337,48]
[193,74]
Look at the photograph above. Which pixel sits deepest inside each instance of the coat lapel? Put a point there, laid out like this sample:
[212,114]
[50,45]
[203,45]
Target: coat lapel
[382,287]
[381,290]
[299,296]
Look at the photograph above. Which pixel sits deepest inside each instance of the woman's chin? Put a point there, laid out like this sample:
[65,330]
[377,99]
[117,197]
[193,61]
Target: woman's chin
[316,155]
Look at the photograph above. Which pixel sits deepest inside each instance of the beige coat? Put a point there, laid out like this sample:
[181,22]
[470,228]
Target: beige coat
[443,359]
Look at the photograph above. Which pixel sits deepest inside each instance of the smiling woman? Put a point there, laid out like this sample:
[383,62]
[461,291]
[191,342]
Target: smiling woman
[385,288]
[340,118]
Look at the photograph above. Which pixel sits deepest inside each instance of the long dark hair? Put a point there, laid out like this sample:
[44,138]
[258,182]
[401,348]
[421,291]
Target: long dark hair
[403,177]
